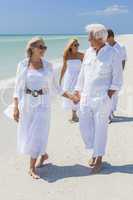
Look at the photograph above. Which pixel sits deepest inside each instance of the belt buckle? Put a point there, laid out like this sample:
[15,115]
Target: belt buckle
[35,93]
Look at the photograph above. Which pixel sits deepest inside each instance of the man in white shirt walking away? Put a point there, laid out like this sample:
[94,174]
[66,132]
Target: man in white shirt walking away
[121,50]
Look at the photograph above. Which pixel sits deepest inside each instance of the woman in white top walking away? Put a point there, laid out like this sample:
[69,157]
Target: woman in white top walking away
[72,60]
[32,103]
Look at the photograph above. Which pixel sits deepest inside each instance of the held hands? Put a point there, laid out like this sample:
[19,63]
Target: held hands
[111,92]
[16,114]
[75,97]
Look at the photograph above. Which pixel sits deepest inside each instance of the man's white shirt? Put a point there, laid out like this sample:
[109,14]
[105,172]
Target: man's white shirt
[121,50]
[100,72]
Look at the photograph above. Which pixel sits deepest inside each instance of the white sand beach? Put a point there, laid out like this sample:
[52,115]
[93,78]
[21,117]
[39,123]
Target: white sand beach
[66,176]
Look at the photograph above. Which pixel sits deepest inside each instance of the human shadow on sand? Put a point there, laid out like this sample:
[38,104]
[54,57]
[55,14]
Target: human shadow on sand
[109,169]
[52,173]
[118,119]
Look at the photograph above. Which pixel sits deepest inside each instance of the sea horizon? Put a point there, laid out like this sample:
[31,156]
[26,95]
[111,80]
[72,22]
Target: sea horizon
[49,34]
[12,49]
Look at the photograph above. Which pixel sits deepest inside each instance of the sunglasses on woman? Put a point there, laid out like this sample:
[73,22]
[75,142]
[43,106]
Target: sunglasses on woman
[42,47]
[76,45]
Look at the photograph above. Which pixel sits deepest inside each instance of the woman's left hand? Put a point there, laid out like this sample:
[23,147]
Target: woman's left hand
[75,99]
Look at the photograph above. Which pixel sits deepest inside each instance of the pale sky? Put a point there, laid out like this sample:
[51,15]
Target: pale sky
[64,16]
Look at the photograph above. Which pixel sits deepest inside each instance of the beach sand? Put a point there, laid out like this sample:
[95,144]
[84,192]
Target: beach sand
[67,176]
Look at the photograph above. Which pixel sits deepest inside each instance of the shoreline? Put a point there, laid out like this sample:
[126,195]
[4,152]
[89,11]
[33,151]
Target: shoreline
[57,61]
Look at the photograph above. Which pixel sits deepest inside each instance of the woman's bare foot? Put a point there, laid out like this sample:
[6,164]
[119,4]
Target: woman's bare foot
[74,117]
[73,120]
[32,172]
[41,160]
[97,166]
[91,162]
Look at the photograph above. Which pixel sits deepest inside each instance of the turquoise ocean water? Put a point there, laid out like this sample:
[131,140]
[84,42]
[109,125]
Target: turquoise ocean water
[12,50]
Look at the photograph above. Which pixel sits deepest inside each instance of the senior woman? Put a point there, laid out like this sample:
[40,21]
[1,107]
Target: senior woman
[32,103]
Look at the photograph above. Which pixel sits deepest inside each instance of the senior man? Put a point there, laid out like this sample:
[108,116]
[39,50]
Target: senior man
[99,79]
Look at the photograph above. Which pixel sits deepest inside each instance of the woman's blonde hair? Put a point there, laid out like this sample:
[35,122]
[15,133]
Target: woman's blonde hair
[67,49]
[32,42]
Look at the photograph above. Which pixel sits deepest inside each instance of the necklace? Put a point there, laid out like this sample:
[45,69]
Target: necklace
[36,64]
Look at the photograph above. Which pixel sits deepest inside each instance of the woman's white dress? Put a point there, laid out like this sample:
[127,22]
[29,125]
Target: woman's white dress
[70,80]
[34,121]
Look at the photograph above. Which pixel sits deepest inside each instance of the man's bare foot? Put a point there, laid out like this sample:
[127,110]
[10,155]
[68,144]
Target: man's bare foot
[113,115]
[32,172]
[41,160]
[98,165]
[91,162]
[110,119]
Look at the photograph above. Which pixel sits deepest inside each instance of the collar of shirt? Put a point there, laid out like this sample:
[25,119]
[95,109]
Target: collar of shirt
[100,50]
